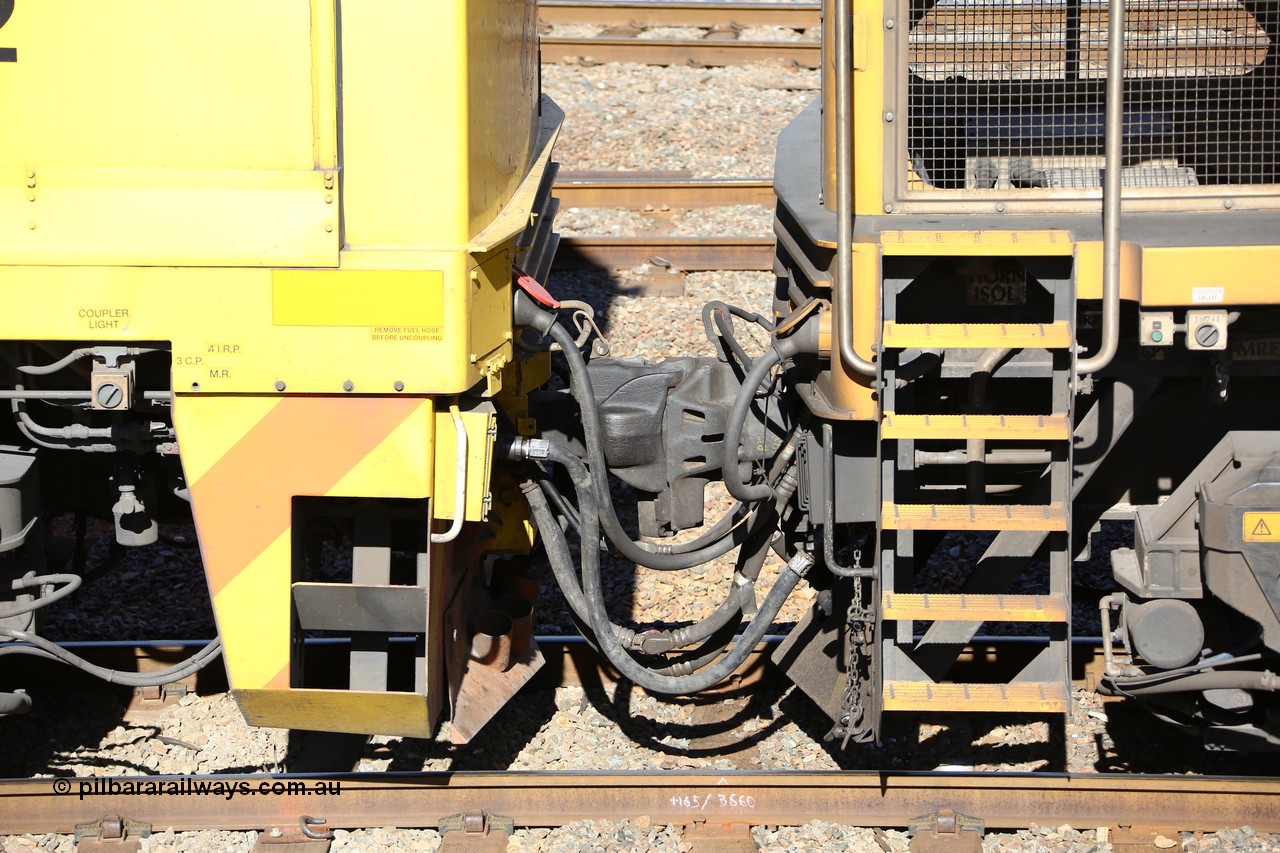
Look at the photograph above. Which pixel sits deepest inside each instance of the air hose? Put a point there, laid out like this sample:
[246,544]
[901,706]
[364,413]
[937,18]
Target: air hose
[598,614]
[41,647]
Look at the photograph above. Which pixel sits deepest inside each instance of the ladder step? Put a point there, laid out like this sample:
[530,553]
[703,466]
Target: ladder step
[1040,697]
[977,335]
[973,517]
[949,607]
[979,243]
[1055,427]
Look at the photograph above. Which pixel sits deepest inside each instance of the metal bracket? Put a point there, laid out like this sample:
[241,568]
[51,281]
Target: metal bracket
[944,831]
[116,834]
[299,839]
[475,832]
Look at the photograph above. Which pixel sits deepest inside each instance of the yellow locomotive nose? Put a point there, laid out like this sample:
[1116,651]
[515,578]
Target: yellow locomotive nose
[314,218]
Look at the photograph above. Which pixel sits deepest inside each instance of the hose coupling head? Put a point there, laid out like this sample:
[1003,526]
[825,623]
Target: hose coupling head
[654,642]
[518,448]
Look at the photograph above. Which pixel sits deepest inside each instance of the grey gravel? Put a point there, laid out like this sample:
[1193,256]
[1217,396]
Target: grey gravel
[715,122]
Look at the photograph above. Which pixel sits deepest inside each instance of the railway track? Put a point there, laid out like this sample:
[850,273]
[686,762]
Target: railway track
[662,194]
[624,37]
[724,803]
[550,799]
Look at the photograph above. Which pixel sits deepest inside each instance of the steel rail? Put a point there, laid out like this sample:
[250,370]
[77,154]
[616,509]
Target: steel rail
[678,254]
[570,661]
[557,798]
[679,14]
[556,50]
[640,190]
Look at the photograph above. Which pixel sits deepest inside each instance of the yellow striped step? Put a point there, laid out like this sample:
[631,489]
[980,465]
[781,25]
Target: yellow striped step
[952,607]
[981,243]
[1039,697]
[977,335]
[1055,427]
[973,517]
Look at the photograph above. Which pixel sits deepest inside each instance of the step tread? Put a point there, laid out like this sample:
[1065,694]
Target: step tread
[1055,335]
[973,516]
[983,243]
[1056,426]
[963,607]
[1043,697]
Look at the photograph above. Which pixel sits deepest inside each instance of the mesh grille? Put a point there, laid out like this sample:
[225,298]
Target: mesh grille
[1009,95]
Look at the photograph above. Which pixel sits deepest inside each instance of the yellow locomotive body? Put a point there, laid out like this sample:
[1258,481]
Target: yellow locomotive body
[314,211]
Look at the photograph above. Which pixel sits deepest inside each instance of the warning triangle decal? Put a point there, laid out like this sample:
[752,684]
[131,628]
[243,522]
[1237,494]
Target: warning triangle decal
[1261,528]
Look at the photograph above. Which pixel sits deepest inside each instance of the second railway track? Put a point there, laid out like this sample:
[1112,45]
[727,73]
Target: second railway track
[659,194]
[624,36]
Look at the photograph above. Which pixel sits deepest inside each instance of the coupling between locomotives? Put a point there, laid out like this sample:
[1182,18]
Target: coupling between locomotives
[1035,295]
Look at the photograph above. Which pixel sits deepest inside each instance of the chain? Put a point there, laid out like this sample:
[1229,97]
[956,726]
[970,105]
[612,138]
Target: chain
[855,719]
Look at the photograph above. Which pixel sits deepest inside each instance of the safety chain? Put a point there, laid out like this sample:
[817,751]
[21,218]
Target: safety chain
[855,719]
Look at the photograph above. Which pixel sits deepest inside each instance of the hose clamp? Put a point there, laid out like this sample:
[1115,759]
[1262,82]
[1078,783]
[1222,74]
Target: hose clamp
[800,564]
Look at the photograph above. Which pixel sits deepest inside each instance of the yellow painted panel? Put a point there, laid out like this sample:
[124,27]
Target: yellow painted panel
[1261,527]
[405,124]
[254,615]
[479,451]
[363,298]
[219,321]
[404,714]
[399,467]
[491,304]
[1211,275]
[502,76]
[979,243]
[160,84]
[161,217]
[515,216]
[868,112]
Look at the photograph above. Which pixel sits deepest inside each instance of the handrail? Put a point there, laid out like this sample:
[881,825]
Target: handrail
[1112,187]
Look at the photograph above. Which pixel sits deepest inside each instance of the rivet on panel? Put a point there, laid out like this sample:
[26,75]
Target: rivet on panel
[348,385]
[1000,208]
[399,386]
[31,225]
[328,228]
[328,199]
[888,208]
[890,23]
[280,385]
[328,176]
[31,173]
[31,196]
[888,116]
[31,184]
[1228,204]
[195,386]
